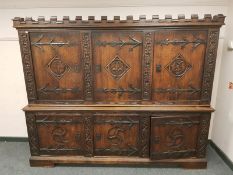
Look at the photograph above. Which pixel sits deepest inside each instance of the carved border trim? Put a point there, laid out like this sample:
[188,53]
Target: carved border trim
[88,135]
[203,135]
[87,64]
[27,65]
[209,67]
[148,48]
[32,133]
[144,136]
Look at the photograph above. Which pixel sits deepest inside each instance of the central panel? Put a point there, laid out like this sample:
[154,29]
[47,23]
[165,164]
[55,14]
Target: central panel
[117,65]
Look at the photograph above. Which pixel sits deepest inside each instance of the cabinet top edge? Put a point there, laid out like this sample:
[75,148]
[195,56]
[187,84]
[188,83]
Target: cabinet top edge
[149,108]
[104,22]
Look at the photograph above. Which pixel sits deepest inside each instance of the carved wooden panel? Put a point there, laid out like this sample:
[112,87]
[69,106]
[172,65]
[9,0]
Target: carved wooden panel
[120,135]
[61,134]
[117,65]
[170,136]
[178,65]
[203,135]
[32,133]
[58,66]
[210,60]
[24,41]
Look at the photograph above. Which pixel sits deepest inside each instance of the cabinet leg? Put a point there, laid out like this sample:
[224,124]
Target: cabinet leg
[41,163]
[194,165]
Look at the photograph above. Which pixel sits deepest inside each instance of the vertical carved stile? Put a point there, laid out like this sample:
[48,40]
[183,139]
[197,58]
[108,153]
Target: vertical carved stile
[144,136]
[87,65]
[27,65]
[88,133]
[203,136]
[210,60]
[147,61]
[32,134]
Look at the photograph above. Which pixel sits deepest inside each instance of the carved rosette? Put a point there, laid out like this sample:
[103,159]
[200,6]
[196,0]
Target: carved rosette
[88,131]
[144,136]
[87,65]
[32,134]
[209,68]
[203,136]
[147,64]
[27,65]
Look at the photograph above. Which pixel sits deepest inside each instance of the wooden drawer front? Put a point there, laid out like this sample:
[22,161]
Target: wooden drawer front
[60,134]
[117,65]
[121,135]
[179,136]
[57,64]
[178,66]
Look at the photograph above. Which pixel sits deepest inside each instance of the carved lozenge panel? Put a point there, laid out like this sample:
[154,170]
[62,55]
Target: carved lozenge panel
[118,64]
[178,66]
[57,63]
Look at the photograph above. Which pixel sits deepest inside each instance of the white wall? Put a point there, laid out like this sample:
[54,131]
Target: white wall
[222,131]
[13,95]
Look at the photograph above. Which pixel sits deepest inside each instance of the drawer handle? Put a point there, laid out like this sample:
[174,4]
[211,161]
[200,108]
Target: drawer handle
[98,137]
[158,67]
[78,137]
[156,140]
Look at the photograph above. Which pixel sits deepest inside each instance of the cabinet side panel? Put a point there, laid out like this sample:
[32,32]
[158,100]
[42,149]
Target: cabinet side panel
[24,41]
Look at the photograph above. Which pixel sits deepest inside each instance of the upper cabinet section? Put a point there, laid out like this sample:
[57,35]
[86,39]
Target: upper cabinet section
[158,61]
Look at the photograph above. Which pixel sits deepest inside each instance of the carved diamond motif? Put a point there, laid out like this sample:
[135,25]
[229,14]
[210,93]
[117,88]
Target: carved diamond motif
[117,67]
[178,66]
[57,68]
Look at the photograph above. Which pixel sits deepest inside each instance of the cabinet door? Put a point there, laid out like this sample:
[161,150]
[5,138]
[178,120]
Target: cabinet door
[60,134]
[178,66]
[57,65]
[121,135]
[178,136]
[117,65]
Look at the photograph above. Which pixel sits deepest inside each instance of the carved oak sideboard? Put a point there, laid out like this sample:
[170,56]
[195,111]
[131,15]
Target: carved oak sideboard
[126,92]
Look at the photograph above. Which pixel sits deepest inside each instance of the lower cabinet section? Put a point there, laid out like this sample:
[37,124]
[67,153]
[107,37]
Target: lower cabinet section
[155,136]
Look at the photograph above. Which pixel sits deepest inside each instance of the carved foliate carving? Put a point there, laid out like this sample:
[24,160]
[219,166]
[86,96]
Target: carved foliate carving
[87,65]
[175,138]
[178,66]
[88,135]
[59,136]
[27,65]
[209,67]
[32,133]
[115,137]
[203,136]
[144,136]
[147,64]
[117,68]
